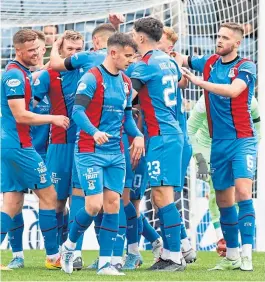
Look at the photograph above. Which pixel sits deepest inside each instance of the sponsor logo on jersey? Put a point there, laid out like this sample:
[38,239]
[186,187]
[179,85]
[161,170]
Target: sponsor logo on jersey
[37,82]
[13,82]
[81,86]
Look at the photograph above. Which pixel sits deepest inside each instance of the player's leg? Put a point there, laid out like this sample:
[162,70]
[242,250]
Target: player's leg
[59,161]
[90,173]
[15,236]
[164,167]
[188,252]
[117,256]
[114,177]
[223,181]
[77,201]
[244,167]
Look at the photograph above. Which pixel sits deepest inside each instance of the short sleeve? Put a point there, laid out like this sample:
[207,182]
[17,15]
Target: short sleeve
[78,60]
[142,72]
[14,84]
[250,68]
[197,63]
[87,85]
[41,85]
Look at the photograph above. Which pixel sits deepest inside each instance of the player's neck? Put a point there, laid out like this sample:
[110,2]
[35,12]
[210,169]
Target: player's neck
[110,67]
[21,62]
[229,57]
[148,47]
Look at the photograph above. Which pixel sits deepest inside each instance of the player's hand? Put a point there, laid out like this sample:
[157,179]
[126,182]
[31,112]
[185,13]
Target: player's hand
[101,137]
[137,150]
[203,172]
[58,43]
[116,19]
[135,113]
[61,121]
[177,57]
[191,77]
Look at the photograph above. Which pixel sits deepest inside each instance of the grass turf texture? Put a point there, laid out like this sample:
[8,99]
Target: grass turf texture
[35,271]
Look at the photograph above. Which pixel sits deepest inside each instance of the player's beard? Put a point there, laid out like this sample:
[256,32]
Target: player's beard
[224,52]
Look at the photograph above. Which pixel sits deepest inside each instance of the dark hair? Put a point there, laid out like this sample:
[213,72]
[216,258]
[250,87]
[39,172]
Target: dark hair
[121,39]
[24,35]
[102,28]
[152,27]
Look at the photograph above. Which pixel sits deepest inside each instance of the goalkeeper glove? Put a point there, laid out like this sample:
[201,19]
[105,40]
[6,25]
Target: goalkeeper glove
[202,172]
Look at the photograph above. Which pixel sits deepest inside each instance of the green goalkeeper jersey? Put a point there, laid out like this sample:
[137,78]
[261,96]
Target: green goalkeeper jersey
[198,126]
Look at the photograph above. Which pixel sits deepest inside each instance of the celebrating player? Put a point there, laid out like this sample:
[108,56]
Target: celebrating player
[229,83]
[156,79]
[103,100]
[22,166]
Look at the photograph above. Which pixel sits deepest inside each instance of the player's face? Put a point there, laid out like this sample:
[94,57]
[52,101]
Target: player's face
[123,57]
[164,44]
[50,34]
[227,41]
[70,47]
[29,52]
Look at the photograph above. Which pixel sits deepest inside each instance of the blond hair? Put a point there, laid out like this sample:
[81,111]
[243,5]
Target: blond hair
[72,35]
[170,34]
[24,35]
[234,26]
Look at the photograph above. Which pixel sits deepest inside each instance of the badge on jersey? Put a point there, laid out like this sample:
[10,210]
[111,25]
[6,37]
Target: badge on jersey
[231,72]
[126,88]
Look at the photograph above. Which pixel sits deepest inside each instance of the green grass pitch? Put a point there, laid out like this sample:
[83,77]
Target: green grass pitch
[35,271]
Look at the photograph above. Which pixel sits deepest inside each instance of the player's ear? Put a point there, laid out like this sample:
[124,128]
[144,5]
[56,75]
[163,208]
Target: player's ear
[113,52]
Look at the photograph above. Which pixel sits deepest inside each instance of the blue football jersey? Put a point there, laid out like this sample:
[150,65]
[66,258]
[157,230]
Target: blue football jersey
[40,134]
[16,83]
[86,60]
[158,97]
[110,95]
[228,118]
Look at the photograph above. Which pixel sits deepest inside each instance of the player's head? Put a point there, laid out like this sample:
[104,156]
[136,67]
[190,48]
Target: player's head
[121,49]
[147,31]
[101,34]
[168,39]
[50,32]
[42,49]
[26,44]
[228,38]
[73,42]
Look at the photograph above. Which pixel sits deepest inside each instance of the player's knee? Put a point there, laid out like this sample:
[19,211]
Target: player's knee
[12,205]
[47,197]
[126,196]
[60,206]
[112,205]
[243,194]
[94,204]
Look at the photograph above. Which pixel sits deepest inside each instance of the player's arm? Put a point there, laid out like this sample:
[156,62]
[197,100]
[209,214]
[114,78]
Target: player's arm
[116,20]
[41,86]
[232,90]
[137,147]
[73,62]
[14,86]
[196,119]
[85,92]
[255,115]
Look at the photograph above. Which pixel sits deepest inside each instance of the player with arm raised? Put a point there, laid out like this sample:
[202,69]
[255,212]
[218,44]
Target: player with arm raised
[229,82]
[166,44]
[156,78]
[22,167]
[201,143]
[103,101]
[60,88]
